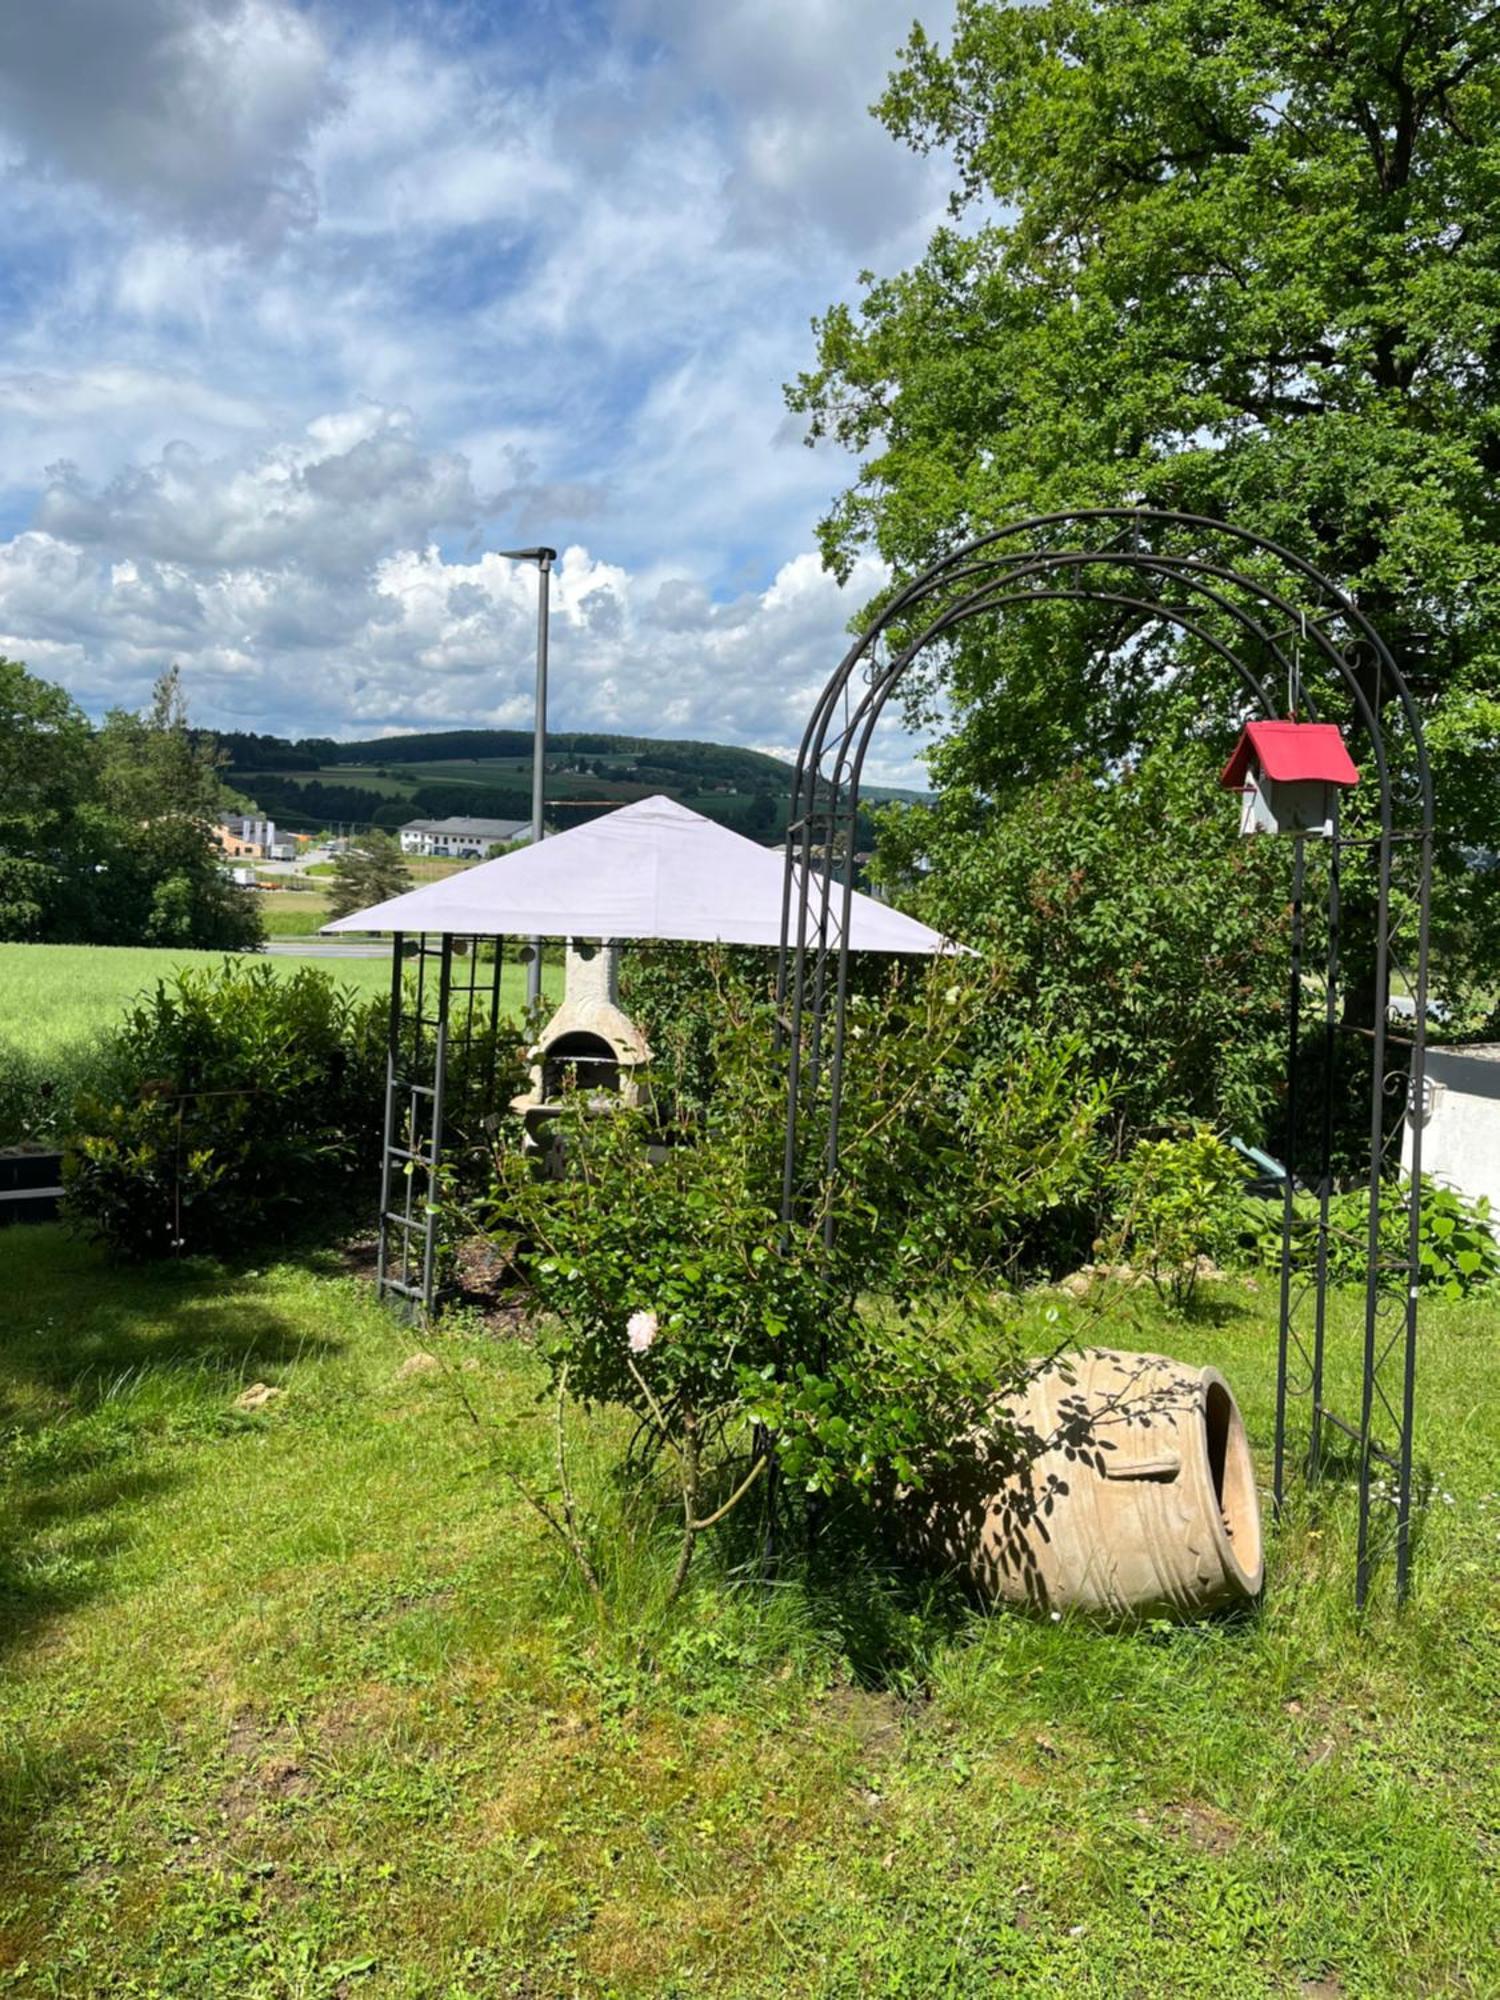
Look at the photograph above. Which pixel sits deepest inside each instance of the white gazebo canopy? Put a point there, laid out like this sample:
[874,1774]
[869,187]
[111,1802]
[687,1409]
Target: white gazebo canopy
[649,870]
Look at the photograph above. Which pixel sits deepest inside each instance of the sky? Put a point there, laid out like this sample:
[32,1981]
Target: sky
[308,310]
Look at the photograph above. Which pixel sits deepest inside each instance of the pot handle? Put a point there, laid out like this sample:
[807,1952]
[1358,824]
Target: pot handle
[1164,1468]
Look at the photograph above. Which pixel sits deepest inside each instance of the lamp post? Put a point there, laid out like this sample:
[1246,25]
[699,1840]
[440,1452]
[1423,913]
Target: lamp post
[544,559]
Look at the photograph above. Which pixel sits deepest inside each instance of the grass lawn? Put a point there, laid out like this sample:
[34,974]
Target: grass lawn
[299,1702]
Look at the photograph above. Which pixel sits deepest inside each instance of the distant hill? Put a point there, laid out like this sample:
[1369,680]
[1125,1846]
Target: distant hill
[312,782]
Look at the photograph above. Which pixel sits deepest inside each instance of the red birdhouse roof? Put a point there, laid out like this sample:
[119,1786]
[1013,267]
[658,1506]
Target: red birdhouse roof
[1288,751]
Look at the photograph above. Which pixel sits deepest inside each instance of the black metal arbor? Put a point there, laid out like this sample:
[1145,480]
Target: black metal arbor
[1242,605]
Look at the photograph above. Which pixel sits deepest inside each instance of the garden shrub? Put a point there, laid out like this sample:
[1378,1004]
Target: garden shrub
[1179,1204]
[853,1364]
[676,993]
[1457,1247]
[234,1099]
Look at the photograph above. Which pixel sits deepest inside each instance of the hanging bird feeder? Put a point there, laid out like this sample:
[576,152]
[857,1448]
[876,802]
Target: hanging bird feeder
[1289,775]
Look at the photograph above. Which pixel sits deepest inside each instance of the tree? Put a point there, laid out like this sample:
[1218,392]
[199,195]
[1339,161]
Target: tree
[163,879]
[47,774]
[760,817]
[1236,257]
[104,836]
[370,873]
[154,763]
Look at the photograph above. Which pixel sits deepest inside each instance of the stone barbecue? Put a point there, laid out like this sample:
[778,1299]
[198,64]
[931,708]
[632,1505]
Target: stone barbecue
[590,1044]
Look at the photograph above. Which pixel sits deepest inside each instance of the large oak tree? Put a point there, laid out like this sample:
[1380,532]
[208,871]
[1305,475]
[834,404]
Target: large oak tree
[1236,257]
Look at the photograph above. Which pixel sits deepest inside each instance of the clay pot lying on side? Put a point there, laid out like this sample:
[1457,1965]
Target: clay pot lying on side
[1135,1494]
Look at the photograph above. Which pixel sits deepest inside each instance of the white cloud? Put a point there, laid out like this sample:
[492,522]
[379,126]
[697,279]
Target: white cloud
[795,79]
[196,113]
[550,284]
[424,641]
[332,500]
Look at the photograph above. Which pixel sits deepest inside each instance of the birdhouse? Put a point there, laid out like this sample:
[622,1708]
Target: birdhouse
[1288,775]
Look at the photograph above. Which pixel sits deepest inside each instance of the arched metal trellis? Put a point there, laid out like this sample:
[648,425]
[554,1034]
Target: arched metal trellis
[1240,605]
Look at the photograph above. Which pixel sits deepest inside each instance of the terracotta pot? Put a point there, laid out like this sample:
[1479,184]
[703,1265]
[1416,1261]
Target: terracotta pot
[1135,1495]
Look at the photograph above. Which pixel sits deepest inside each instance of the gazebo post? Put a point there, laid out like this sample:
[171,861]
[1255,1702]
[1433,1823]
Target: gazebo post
[435,1140]
[392,1054]
[413,1139]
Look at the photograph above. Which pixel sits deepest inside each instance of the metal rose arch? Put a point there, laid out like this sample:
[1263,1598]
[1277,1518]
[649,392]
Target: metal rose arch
[1240,606]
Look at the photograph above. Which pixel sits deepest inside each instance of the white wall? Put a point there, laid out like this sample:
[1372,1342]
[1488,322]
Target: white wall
[1461,1132]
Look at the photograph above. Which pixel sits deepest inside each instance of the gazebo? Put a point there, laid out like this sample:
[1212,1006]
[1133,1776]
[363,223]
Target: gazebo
[653,871]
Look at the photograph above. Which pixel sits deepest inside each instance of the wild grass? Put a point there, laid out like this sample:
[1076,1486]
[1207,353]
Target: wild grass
[303,1702]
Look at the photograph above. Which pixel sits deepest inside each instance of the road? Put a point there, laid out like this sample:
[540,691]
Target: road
[321,947]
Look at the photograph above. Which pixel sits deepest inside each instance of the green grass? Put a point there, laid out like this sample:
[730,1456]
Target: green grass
[301,1703]
[55,995]
[293,913]
[57,1003]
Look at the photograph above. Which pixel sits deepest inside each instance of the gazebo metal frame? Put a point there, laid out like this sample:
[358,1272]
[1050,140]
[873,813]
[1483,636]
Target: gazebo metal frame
[1271,618]
[444,1017]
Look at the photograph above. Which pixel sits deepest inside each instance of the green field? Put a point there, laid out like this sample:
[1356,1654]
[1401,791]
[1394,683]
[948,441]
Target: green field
[52,995]
[293,913]
[301,1703]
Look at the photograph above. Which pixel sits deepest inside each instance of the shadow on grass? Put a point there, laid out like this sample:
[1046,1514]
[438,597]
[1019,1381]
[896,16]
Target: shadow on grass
[103,1368]
[886,1614]
[80,1326]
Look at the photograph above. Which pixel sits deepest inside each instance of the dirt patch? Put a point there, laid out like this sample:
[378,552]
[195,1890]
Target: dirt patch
[275,1765]
[487,1284]
[480,1279]
[279,1776]
[1202,1826]
[876,1720]
[244,1736]
[360,1257]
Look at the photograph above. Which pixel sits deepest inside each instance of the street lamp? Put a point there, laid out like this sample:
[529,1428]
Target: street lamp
[544,559]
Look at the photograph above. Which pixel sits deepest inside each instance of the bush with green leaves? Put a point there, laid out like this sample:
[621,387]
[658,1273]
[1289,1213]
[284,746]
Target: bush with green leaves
[234,1100]
[677,995]
[851,1364]
[1457,1249]
[1179,1204]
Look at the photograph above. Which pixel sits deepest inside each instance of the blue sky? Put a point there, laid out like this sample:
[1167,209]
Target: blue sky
[307,310]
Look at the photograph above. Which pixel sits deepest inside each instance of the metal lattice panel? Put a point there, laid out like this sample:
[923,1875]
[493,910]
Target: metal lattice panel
[442,1073]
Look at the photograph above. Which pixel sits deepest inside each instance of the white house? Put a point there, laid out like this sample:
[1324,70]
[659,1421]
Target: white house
[461,839]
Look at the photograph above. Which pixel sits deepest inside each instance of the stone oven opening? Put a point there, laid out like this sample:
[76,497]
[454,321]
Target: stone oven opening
[579,1062]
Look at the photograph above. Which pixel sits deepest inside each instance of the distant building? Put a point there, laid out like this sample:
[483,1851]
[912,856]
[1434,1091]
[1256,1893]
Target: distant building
[246,837]
[461,839]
